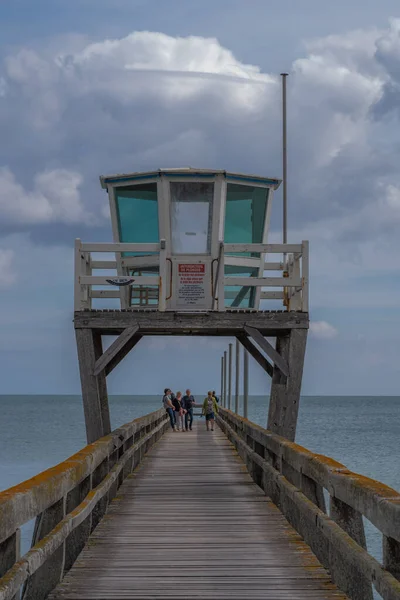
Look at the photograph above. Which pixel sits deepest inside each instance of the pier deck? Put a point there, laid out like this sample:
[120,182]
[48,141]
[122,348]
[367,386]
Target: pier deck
[190,523]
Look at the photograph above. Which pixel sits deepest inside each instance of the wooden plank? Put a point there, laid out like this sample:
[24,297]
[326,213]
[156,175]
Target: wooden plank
[268,349]
[138,262]
[256,354]
[104,264]
[118,247]
[104,293]
[244,281]
[263,248]
[183,527]
[272,296]
[104,279]
[116,347]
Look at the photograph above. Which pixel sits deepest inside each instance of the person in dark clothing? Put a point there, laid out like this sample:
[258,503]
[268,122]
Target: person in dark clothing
[188,403]
[178,408]
[215,396]
[169,407]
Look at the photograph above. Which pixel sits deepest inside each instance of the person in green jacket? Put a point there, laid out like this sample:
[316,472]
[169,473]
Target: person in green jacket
[210,408]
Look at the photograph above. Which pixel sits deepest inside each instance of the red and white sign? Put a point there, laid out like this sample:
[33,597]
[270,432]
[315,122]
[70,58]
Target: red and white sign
[191,284]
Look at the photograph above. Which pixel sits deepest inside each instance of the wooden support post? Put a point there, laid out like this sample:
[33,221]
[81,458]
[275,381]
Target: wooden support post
[256,354]
[245,383]
[285,391]
[391,556]
[86,345]
[45,579]
[225,373]
[77,539]
[230,376]
[237,367]
[10,552]
[350,520]
[102,386]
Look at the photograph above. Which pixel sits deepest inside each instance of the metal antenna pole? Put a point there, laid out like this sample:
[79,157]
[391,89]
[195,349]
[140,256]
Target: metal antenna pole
[230,376]
[245,383]
[284,155]
[237,367]
[222,381]
[225,372]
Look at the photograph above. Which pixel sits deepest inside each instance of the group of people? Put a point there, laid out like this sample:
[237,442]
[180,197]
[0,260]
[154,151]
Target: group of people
[180,409]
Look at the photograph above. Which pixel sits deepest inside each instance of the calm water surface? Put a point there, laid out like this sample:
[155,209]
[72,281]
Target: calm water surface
[37,432]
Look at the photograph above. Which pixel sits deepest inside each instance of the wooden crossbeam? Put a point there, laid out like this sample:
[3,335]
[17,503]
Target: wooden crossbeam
[121,355]
[118,349]
[256,354]
[268,349]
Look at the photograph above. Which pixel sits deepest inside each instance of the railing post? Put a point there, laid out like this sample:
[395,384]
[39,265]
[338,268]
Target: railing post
[350,520]
[10,552]
[295,299]
[391,556]
[77,539]
[305,275]
[77,274]
[82,267]
[45,579]
[237,372]
[245,383]
[220,279]
[162,288]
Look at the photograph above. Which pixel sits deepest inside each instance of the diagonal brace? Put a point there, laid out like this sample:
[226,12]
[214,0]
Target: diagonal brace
[268,349]
[256,354]
[118,349]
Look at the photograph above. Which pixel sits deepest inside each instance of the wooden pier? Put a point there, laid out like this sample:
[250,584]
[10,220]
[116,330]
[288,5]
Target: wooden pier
[191,523]
[239,512]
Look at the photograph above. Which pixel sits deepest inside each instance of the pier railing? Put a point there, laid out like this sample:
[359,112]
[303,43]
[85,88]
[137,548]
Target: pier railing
[295,479]
[140,275]
[68,501]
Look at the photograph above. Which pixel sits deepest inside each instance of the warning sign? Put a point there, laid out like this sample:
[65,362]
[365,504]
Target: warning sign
[191,284]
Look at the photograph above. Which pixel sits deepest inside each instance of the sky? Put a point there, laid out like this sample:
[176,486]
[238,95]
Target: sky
[91,87]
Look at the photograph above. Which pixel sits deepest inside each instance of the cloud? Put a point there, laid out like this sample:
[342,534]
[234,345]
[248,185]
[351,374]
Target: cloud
[321,330]
[54,198]
[150,100]
[7,274]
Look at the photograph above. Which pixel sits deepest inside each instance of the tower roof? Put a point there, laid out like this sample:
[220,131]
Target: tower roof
[190,172]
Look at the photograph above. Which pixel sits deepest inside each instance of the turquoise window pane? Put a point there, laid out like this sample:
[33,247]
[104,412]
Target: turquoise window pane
[137,211]
[245,214]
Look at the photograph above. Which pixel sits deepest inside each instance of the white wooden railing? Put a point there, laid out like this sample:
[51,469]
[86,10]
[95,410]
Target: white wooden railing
[290,285]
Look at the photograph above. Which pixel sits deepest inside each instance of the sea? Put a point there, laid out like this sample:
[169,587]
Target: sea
[362,432]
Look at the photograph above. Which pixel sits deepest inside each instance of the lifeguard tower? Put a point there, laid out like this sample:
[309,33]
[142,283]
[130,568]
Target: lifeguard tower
[189,257]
